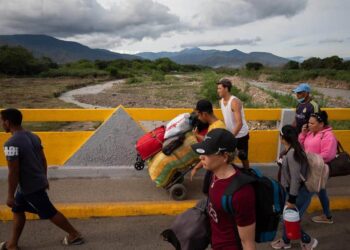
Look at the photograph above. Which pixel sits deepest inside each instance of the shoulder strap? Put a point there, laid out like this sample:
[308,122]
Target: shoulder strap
[339,147]
[238,181]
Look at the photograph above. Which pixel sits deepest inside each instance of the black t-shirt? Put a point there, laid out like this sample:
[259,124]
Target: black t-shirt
[26,147]
[303,112]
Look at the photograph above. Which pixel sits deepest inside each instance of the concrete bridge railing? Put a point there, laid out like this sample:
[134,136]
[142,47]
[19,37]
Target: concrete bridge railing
[60,146]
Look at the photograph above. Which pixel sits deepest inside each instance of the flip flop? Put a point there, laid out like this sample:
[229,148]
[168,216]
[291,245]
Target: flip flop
[76,241]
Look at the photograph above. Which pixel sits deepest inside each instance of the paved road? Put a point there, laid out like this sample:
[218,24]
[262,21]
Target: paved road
[143,233]
[139,187]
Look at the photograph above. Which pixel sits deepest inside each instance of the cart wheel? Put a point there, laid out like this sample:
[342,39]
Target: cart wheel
[178,192]
[139,165]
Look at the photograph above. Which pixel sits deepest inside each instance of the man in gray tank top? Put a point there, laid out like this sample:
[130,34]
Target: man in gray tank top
[233,113]
[27,181]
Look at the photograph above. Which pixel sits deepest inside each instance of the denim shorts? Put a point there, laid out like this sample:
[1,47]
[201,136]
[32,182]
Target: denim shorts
[37,203]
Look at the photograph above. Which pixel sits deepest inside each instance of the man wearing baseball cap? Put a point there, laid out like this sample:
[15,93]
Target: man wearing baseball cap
[216,153]
[306,105]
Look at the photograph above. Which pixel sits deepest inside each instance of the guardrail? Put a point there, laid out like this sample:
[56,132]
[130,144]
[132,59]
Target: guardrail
[60,146]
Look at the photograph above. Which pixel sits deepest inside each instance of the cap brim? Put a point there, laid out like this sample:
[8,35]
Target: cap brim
[297,90]
[202,148]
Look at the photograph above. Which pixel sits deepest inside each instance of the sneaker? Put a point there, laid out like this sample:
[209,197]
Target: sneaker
[279,244]
[309,246]
[322,219]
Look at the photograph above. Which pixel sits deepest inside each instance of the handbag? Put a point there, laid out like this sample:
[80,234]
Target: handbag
[340,165]
[191,229]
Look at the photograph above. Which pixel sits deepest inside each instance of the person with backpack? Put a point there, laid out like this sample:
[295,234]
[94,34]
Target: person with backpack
[294,165]
[317,137]
[231,232]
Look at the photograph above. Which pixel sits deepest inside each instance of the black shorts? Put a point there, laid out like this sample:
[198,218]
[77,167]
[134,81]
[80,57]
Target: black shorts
[242,146]
[36,203]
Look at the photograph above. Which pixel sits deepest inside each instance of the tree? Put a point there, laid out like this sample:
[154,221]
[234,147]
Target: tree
[254,66]
[333,62]
[312,63]
[291,65]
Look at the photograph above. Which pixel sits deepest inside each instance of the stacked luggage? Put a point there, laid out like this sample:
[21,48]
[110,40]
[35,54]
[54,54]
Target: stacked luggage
[167,150]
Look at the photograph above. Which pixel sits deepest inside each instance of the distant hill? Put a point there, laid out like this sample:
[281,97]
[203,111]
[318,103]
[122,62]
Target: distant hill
[58,50]
[217,58]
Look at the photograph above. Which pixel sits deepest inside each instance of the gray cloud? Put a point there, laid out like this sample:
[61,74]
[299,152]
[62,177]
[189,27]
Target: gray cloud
[234,13]
[222,43]
[132,19]
[330,40]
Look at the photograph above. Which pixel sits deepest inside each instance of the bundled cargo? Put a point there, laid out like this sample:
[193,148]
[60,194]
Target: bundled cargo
[163,167]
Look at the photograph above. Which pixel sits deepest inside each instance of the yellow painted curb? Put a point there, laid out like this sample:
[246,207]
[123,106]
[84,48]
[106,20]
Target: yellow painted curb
[118,209]
[121,209]
[336,203]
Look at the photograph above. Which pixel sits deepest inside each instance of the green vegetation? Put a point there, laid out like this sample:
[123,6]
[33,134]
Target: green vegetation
[254,66]
[17,61]
[297,75]
[340,125]
[285,100]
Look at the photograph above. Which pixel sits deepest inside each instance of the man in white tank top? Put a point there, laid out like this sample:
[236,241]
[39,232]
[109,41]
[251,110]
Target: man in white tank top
[233,113]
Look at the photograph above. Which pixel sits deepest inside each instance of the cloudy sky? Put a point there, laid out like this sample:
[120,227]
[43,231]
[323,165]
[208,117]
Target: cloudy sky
[283,27]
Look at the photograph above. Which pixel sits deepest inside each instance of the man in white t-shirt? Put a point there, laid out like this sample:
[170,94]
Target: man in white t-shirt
[232,110]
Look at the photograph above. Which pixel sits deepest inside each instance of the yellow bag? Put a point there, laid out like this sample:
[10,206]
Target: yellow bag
[162,168]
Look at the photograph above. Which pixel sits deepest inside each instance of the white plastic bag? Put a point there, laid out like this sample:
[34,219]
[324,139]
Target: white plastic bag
[180,124]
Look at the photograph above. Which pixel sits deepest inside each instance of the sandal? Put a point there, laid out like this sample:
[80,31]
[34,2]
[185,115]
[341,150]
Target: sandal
[76,241]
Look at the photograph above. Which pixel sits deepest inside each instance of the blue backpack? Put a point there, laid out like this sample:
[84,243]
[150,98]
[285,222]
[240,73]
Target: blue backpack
[270,200]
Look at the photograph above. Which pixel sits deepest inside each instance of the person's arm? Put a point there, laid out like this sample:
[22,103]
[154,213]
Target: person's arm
[302,136]
[328,147]
[236,108]
[295,178]
[196,168]
[247,235]
[243,203]
[44,160]
[13,179]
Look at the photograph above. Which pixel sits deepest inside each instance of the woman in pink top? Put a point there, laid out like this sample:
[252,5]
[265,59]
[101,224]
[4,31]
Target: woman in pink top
[317,137]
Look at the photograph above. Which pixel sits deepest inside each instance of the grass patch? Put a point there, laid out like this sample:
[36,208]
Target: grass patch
[340,125]
[285,101]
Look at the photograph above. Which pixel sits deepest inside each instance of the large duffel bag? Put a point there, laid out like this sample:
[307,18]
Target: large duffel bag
[340,165]
[162,167]
[151,143]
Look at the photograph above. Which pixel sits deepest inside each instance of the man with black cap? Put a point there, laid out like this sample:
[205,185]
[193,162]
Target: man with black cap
[216,153]
[204,110]
[306,105]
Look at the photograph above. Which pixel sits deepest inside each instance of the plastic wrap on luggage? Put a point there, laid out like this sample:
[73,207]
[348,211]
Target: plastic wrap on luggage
[162,168]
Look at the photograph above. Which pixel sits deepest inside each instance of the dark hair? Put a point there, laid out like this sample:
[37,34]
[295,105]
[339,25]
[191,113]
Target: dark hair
[290,135]
[321,116]
[204,106]
[226,83]
[14,116]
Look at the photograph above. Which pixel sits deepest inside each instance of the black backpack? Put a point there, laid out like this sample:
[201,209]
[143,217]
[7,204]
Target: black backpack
[270,200]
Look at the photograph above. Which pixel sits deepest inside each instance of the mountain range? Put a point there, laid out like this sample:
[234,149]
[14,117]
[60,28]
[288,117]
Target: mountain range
[58,50]
[65,51]
[216,58]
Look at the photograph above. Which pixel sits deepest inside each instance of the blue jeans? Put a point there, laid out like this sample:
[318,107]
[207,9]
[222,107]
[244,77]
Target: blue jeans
[323,197]
[302,203]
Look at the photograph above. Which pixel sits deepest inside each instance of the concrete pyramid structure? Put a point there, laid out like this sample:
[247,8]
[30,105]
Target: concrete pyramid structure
[113,144]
